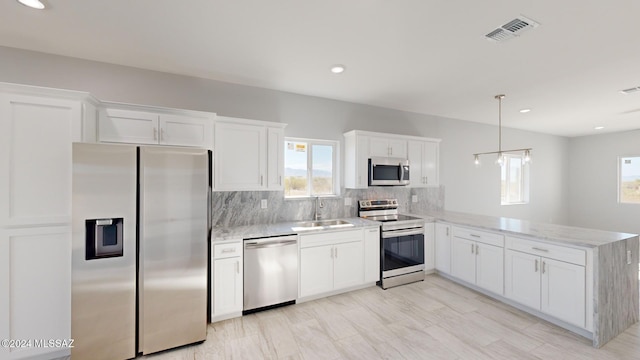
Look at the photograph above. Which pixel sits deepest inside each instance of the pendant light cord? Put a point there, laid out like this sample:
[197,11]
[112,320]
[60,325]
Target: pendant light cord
[500,97]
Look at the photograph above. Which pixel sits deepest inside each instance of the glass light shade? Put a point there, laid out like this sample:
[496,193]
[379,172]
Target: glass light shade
[500,159]
[476,160]
[34,4]
[527,156]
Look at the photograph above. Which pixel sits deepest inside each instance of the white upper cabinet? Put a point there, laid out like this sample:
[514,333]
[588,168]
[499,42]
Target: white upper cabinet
[36,133]
[423,162]
[248,155]
[149,125]
[275,158]
[360,146]
[356,161]
[388,147]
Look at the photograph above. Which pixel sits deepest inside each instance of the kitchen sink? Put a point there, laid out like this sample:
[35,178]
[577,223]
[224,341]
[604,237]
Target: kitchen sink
[321,224]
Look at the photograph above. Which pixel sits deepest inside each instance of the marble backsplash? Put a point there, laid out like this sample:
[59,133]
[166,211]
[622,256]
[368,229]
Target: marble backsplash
[236,208]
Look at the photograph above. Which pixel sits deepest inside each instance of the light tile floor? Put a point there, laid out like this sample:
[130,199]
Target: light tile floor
[433,319]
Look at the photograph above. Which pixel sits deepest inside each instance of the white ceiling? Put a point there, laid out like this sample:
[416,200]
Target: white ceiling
[424,56]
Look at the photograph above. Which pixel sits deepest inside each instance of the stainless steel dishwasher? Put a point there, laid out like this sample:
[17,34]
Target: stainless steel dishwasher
[270,272]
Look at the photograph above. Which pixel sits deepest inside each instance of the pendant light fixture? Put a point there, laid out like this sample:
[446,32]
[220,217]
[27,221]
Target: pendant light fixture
[500,160]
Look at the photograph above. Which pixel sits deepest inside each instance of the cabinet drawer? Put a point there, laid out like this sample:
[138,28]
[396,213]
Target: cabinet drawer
[480,236]
[328,238]
[222,251]
[561,253]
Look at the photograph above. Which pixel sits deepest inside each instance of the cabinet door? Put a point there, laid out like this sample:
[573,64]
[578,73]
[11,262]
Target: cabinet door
[430,163]
[398,148]
[185,131]
[239,157]
[416,176]
[316,270]
[490,267]
[227,286]
[125,126]
[362,162]
[463,259]
[275,159]
[348,267]
[443,248]
[563,291]
[522,278]
[35,286]
[35,159]
[379,147]
[371,255]
[429,247]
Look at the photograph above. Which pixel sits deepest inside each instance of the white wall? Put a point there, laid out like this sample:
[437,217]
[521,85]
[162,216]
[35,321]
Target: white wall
[593,182]
[477,189]
[467,189]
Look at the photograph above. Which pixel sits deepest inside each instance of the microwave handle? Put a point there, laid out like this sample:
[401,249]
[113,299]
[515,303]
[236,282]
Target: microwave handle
[401,172]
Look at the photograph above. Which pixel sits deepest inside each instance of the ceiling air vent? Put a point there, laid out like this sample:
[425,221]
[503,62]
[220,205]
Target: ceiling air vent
[512,29]
[630,90]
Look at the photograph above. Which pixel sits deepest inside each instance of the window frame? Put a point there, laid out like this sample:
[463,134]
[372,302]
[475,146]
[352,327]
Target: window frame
[525,179]
[334,164]
[619,180]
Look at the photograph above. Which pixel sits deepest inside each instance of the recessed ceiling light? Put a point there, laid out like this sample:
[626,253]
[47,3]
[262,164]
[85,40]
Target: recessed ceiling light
[34,4]
[598,128]
[525,111]
[337,69]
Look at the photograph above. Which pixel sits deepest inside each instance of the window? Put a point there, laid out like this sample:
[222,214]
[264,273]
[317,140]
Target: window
[514,179]
[629,180]
[310,167]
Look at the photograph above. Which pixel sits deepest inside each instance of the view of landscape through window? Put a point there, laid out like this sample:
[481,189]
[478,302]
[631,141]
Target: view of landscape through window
[512,179]
[629,178]
[308,168]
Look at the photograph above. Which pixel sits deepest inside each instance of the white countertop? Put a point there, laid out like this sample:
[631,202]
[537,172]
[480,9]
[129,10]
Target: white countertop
[569,235]
[284,228]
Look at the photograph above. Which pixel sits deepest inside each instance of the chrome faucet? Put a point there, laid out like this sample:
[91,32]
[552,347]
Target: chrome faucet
[319,204]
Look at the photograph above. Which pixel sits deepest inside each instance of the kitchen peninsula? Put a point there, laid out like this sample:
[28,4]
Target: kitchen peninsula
[609,261]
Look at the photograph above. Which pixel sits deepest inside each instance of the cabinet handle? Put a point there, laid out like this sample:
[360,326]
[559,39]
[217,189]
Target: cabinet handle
[536,266]
[336,252]
[229,250]
[280,179]
[426,180]
[477,249]
[539,249]
[373,230]
[472,248]
[155,134]
[447,231]
[161,134]
[543,266]
[238,267]
[261,180]
[475,236]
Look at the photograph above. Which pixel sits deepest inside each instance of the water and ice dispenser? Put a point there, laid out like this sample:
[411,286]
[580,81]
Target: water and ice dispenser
[104,238]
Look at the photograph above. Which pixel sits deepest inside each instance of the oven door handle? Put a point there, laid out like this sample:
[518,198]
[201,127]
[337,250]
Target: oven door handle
[396,233]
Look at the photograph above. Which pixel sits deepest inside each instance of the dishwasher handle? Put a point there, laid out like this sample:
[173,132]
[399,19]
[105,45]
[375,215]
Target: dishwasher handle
[269,243]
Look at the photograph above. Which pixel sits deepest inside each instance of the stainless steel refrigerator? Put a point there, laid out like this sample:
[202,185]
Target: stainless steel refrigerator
[140,249]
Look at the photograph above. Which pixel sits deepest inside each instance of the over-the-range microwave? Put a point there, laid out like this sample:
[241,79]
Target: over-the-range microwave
[388,171]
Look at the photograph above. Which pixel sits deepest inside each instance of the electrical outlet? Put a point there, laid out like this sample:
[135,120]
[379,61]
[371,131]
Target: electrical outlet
[414,198]
[263,203]
[629,257]
[347,201]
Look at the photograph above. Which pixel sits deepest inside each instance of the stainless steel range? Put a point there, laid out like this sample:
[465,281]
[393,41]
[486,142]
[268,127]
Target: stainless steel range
[401,243]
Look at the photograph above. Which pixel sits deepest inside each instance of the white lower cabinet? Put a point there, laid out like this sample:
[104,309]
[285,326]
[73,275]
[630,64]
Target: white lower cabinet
[227,280]
[371,254]
[429,246]
[35,288]
[477,258]
[443,248]
[547,278]
[331,261]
